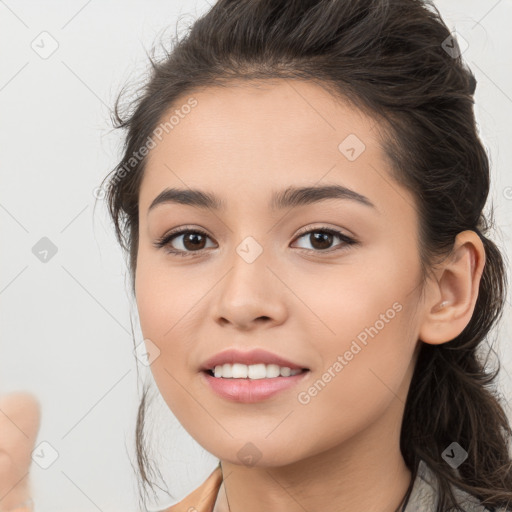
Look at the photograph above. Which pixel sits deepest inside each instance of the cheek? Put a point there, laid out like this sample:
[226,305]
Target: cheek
[165,303]
[361,302]
[360,380]
[162,296]
[366,338]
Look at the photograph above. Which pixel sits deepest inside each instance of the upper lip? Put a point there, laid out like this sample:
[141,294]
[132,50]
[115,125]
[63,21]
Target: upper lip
[248,357]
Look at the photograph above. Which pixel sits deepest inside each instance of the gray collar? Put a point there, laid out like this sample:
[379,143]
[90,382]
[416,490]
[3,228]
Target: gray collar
[424,494]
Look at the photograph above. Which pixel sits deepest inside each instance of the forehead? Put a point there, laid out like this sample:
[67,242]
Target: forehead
[249,137]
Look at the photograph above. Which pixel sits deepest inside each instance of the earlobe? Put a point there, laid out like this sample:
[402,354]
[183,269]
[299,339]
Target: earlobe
[452,296]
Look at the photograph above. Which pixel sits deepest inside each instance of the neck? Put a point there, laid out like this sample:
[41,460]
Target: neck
[364,474]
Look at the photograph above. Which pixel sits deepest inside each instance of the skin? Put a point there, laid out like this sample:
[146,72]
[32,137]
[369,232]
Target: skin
[242,143]
[340,451]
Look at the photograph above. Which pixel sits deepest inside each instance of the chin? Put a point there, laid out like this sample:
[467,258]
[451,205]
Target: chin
[252,455]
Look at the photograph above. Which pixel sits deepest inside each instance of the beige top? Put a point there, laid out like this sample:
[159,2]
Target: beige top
[210,496]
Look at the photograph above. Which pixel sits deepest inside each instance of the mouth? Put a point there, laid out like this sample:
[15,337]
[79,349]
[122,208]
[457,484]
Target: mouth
[254,363]
[249,386]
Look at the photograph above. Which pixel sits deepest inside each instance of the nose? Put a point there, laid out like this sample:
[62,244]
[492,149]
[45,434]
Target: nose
[250,295]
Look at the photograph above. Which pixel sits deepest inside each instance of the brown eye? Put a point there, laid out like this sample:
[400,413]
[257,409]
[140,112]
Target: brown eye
[321,239]
[192,240]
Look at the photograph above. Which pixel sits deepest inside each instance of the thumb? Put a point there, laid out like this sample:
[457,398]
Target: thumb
[20,417]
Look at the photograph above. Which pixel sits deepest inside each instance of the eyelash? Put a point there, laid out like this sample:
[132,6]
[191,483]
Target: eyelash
[165,240]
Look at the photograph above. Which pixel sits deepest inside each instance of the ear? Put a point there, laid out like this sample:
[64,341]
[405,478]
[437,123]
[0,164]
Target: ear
[452,294]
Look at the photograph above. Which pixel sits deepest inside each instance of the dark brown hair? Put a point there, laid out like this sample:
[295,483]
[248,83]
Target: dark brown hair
[396,61]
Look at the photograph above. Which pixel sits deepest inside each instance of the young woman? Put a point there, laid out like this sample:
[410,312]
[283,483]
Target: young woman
[301,199]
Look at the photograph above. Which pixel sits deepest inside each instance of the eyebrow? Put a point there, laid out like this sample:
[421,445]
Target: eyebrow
[291,197]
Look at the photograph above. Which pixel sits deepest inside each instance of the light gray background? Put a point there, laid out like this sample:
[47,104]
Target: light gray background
[65,324]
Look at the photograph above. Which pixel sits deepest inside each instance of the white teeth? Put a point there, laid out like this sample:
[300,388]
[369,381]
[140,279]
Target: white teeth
[227,370]
[285,372]
[253,371]
[238,371]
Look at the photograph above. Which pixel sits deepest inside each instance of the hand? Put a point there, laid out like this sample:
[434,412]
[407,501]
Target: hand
[20,415]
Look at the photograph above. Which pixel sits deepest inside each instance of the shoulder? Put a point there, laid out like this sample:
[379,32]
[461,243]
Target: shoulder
[202,499]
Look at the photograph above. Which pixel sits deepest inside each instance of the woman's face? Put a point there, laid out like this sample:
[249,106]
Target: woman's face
[268,275]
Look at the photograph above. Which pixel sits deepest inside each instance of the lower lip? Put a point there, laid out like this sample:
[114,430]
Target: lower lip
[251,390]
